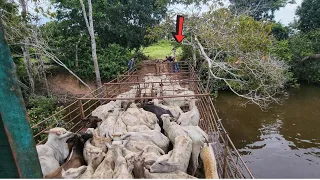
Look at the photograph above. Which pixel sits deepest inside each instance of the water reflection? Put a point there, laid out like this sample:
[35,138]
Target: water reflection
[281,143]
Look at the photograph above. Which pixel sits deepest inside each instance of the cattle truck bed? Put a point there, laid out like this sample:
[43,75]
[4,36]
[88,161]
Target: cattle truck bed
[229,163]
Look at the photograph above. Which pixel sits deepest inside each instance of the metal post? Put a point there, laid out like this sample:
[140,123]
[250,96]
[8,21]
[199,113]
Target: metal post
[156,66]
[225,156]
[107,93]
[18,155]
[81,109]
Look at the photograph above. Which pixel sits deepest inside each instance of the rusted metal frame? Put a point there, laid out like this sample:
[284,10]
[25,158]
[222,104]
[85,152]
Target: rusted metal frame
[40,142]
[85,103]
[88,115]
[211,107]
[120,80]
[95,103]
[44,130]
[142,97]
[202,111]
[226,141]
[92,92]
[96,96]
[230,169]
[91,106]
[214,121]
[160,74]
[75,125]
[205,123]
[210,118]
[218,150]
[202,90]
[156,68]
[69,113]
[235,164]
[209,124]
[107,92]
[81,114]
[73,119]
[235,150]
[219,159]
[100,92]
[143,82]
[113,90]
[225,156]
[81,108]
[69,110]
[53,115]
[78,130]
[47,128]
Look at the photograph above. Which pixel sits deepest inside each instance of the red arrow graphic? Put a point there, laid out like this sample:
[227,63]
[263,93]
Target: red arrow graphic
[179,27]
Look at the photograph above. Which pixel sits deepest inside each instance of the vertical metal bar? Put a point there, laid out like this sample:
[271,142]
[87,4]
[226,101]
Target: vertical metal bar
[156,65]
[16,135]
[225,156]
[107,92]
[81,109]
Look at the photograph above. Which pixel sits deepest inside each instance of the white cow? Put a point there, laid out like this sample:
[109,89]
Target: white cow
[53,153]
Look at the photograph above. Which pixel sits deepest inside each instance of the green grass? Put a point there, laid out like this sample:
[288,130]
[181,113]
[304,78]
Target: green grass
[160,50]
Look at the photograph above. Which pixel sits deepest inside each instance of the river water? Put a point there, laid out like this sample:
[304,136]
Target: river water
[283,142]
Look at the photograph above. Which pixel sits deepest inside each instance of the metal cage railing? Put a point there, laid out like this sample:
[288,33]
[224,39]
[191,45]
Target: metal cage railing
[229,161]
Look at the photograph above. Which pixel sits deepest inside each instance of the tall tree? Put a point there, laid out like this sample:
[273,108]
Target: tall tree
[235,53]
[25,46]
[309,13]
[89,24]
[258,8]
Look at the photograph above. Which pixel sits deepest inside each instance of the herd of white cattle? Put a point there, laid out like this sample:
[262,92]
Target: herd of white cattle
[131,142]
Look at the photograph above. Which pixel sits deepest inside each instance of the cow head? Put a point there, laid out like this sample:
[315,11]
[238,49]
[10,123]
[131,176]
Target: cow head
[59,133]
[91,122]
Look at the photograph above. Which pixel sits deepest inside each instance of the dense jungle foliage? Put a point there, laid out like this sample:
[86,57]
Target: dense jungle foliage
[125,29]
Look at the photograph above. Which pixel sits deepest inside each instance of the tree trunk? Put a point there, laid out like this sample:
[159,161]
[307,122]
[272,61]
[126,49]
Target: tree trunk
[45,81]
[93,41]
[208,82]
[76,61]
[25,48]
[194,55]
[26,56]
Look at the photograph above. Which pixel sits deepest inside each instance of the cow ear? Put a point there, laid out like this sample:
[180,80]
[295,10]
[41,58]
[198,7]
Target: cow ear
[58,133]
[46,132]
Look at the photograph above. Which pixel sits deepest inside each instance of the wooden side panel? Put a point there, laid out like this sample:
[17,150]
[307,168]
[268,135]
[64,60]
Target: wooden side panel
[15,125]
[8,168]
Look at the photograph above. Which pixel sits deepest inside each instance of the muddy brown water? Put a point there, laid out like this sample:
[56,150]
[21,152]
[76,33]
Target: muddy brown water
[283,142]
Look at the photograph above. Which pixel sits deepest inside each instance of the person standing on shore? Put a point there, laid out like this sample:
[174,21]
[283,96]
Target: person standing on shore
[175,66]
[131,64]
